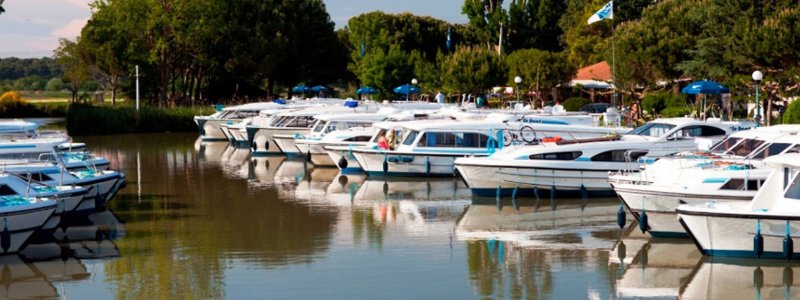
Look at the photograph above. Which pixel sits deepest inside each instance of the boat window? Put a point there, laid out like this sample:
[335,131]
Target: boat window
[770,150]
[377,136]
[6,190]
[697,131]
[320,125]
[725,145]
[473,140]
[557,155]
[794,149]
[794,190]
[345,125]
[360,138]
[410,138]
[39,176]
[653,129]
[613,155]
[738,184]
[437,139]
[745,147]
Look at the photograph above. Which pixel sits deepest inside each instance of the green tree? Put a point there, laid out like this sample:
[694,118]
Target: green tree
[540,70]
[487,18]
[534,24]
[54,84]
[472,69]
[76,73]
[2,10]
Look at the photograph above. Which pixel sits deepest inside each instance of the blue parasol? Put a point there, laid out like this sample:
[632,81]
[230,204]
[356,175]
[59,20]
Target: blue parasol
[367,90]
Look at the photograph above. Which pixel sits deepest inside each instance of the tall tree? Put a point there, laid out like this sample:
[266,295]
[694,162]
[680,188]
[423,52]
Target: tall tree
[76,72]
[534,24]
[540,70]
[487,18]
[472,69]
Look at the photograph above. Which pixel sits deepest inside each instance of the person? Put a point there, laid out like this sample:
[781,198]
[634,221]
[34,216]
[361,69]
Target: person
[390,139]
[636,113]
[382,142]
[558,109]
[440,98]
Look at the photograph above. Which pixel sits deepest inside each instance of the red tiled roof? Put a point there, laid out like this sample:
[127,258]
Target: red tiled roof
[600,71]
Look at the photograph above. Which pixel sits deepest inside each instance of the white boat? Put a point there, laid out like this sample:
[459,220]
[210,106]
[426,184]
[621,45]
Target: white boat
[20,215]
[766,227]
[336,130]
[583,165]
[210,126]
[720,176]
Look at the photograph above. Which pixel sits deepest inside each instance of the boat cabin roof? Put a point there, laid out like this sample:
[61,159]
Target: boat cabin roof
[449,125]
[353,117]
[257,106]
[785,160]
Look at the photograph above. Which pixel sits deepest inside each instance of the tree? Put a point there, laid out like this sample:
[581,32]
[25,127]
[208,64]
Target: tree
[472,69]
[486,17]
[2,10]
[109,56]
[534,24]
[76,72]
[54,84]
[541,70]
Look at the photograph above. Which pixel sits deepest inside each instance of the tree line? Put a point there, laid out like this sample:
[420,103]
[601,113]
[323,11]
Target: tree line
[208,50]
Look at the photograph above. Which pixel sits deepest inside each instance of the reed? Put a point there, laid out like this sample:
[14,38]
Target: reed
[83,119]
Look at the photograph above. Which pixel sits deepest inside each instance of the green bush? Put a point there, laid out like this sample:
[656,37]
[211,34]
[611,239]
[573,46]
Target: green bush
[84,119]
[792,114]
[675,111]
[659,102]
[13,106]
[575,103]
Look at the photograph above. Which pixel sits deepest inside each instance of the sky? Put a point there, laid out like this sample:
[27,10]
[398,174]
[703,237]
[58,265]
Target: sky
[31,28]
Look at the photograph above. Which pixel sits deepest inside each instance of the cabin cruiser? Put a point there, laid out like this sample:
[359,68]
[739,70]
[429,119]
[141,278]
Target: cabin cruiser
[729,172]
[765,227]
[583,165]
[237,133]
[335,130]
[22,212]
[210,126]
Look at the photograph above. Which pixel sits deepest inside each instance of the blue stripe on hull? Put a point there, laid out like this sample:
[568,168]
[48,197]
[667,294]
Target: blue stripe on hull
[746,254]
[265,154]
[352,171]
[210,139]
[294,155]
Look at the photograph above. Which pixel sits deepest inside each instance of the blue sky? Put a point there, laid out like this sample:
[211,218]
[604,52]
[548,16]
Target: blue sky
[31,28]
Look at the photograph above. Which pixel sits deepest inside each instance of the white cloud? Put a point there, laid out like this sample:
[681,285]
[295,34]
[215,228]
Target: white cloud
[70,30]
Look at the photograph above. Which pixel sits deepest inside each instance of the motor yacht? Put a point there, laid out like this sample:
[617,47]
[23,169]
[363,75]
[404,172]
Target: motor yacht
[210,126]
[583,165]
[20,214]
[765,227]
[732,173]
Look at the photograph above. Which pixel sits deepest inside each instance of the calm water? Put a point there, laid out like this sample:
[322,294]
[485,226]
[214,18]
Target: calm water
[208,221]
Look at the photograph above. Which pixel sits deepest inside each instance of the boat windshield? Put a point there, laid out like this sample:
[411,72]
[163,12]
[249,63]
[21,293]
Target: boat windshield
[652,129]
[345,125]
[378,135]
[410,137]
[319,126]
[745,147]
[770,150]
[725,145]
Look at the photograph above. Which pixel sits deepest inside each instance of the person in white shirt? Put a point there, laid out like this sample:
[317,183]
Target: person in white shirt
[440,98]
[558,109]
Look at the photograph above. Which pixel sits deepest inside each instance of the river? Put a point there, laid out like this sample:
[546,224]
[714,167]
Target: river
[207,221]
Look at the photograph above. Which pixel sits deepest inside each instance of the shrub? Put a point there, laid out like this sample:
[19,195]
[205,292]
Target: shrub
[83,119]
[675,111]
[659,102]
[792,114]
[575,103]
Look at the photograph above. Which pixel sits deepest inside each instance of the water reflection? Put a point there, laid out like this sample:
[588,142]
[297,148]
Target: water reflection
[743,279]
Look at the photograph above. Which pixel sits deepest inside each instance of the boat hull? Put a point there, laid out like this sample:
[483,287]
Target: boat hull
[347,166]
[407,164]
[485,180]
[23,222]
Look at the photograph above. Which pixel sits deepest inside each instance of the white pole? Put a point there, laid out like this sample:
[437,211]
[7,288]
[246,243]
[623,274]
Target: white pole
[500,41]
[137,87]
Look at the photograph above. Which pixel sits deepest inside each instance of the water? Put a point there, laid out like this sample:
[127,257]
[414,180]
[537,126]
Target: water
[208,221]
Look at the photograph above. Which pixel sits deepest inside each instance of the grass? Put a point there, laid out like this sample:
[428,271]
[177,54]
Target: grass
[88,119]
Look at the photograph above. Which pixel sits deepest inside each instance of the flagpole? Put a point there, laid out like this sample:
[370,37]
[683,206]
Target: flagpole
[613,58]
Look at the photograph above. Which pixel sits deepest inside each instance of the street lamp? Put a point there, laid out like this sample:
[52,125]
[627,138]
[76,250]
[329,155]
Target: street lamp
[517,80]
[757,76]
[413,83]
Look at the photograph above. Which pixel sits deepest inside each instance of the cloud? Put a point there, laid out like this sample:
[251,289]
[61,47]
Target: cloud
[70,30]
[26,46]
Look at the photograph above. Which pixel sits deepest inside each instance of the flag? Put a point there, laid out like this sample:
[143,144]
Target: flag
[363,48]
[607,12]
[449,42]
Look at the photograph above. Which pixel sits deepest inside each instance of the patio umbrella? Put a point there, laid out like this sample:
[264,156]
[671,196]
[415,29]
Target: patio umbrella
[367,90]
[705,87]
[406,89]
[320,89]
[301,89]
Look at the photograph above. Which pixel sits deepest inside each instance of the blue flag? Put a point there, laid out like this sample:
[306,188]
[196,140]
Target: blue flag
[363,48]
[607,12]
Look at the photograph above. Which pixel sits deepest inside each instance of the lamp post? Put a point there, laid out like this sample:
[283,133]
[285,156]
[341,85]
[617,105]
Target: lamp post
[518,80]
[413,83]
[757,76]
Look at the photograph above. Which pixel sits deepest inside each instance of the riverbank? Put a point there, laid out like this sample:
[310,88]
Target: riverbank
[86,119]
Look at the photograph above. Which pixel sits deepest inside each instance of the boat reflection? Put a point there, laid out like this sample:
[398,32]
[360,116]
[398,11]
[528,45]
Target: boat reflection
[725,278]
[551,224]
[235,162]
[35,272]
[652,267]
[209,151]
[261,170]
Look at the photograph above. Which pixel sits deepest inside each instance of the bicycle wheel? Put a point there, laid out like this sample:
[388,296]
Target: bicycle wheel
[508,138]
[528,134]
